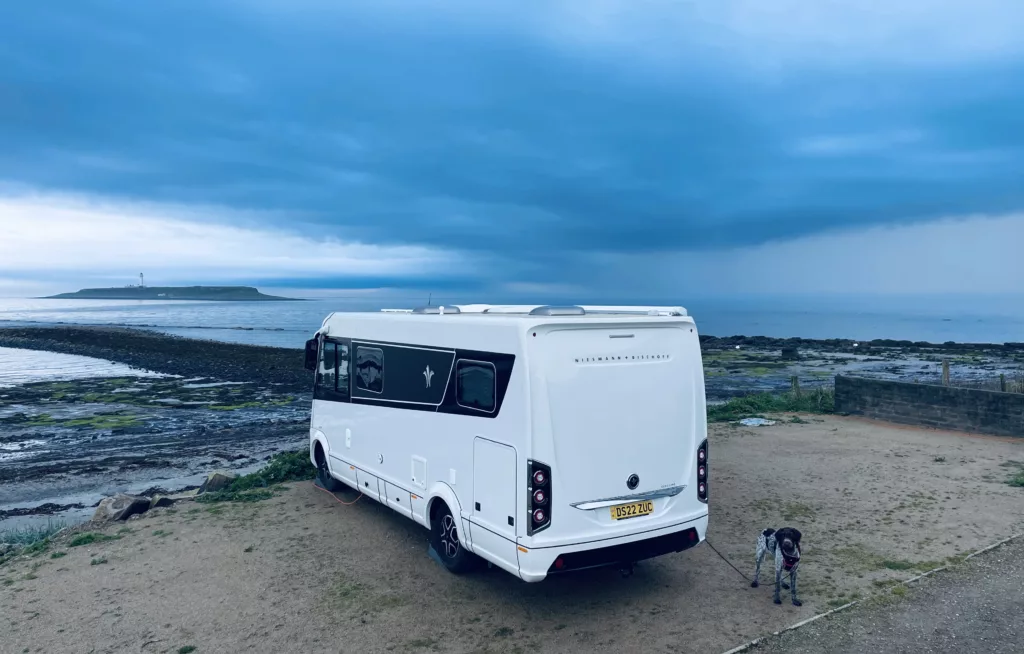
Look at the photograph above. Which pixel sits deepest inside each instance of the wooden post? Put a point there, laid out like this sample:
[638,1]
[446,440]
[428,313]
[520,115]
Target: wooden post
[945,373]
[1002,382]
[795,382]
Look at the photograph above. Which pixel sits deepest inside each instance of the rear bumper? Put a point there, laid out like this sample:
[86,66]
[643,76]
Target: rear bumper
[535,565]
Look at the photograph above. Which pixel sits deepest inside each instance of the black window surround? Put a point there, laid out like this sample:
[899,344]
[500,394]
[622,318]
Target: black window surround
[422,378]
[471,365]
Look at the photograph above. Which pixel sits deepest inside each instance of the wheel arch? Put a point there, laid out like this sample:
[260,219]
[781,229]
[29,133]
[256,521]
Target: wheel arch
[440,493]
[317,439]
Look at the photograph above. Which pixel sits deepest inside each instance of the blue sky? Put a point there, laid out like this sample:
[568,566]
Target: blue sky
[568,147]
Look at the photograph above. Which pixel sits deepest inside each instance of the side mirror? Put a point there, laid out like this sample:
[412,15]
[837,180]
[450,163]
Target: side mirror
[311,354]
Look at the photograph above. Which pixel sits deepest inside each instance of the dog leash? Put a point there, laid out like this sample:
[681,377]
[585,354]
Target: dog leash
[738,571]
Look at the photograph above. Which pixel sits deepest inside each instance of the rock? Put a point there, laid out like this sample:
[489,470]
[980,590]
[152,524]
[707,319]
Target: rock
[120,507]
[216,481]
[160,501]
[184,495]
[5,548]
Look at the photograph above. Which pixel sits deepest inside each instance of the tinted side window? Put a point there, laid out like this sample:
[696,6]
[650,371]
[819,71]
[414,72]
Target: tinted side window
[370,369]
[343,379]
[475,388]
[327,369]
[332,372]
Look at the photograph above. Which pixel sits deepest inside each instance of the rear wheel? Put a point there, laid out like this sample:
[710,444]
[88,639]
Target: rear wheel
[323,474]
[444,538]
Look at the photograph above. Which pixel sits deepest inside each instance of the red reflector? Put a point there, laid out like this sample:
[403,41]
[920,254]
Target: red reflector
[559,563]
[693,535]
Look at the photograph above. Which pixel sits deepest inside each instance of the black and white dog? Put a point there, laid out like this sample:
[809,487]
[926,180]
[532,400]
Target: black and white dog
[784,544]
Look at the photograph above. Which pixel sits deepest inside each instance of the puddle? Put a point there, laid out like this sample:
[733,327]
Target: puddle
[18,366]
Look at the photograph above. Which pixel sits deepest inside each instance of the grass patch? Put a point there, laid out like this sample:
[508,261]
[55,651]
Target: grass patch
[821,400]
[88,538]
[161,533]
[282,467]
[58,555]
[28,536]
[99,561]
[187,649]
[899,591]
[254,495]
[353,595]
[1017,480]
[857,559]
[796,511]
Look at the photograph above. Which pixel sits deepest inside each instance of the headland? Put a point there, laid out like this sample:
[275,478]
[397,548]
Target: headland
[210,293]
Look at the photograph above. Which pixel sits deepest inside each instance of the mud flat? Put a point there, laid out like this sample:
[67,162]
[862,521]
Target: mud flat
[188,407]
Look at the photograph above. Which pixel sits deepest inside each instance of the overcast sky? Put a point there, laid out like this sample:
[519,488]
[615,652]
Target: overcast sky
[662,148]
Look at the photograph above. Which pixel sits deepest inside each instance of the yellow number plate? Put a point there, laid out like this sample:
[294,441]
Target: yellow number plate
[623,511]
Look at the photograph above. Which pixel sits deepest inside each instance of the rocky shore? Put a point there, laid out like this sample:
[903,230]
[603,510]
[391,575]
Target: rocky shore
[64,445]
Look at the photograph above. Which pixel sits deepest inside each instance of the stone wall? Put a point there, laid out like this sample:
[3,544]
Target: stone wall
[942,407]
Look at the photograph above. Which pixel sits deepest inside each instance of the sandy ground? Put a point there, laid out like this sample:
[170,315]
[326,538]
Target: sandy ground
[975,609]
[302,572]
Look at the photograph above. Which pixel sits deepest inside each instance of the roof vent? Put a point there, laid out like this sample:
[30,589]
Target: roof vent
[432,309]
[558,311]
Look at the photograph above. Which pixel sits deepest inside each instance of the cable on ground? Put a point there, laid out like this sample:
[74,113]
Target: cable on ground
[336,498]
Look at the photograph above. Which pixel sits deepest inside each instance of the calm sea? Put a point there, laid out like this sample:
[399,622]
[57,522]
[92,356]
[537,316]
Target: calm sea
[288,324]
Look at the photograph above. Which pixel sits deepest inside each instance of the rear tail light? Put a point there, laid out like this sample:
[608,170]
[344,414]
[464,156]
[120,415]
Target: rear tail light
[538,494]
[702,472]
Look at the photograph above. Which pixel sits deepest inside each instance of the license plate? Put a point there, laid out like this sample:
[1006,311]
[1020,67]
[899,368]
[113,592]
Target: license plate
[632,510]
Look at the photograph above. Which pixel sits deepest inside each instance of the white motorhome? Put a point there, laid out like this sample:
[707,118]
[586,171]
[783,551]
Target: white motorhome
[542,439]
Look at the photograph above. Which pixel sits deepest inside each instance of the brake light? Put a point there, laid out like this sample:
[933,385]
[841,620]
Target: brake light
[702,472]
[538,494]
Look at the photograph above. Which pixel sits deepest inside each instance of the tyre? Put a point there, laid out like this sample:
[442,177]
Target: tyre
[444,538]
[323,474]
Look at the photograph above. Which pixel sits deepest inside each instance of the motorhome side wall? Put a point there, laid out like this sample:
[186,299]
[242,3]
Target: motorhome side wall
[403,454]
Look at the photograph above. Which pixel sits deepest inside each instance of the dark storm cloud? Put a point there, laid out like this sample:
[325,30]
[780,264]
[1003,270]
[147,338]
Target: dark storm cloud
[476,138]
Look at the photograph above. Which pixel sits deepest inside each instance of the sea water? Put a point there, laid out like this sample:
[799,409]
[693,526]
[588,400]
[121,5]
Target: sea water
[977,319]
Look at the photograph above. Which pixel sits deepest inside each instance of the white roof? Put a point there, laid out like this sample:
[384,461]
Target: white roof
[526,309]
[511,316]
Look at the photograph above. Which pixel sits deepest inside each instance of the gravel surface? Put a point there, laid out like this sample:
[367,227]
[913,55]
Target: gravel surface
[976,607]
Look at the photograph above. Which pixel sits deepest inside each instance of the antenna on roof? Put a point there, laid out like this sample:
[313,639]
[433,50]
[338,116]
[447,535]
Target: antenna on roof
[429,295]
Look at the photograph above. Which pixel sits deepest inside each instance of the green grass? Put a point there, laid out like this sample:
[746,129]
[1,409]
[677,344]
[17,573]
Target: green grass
[1017,480]
[284,466]
[821,400]
[28,536]
[88,538]
[187,649]
[99,561]
[58,555]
